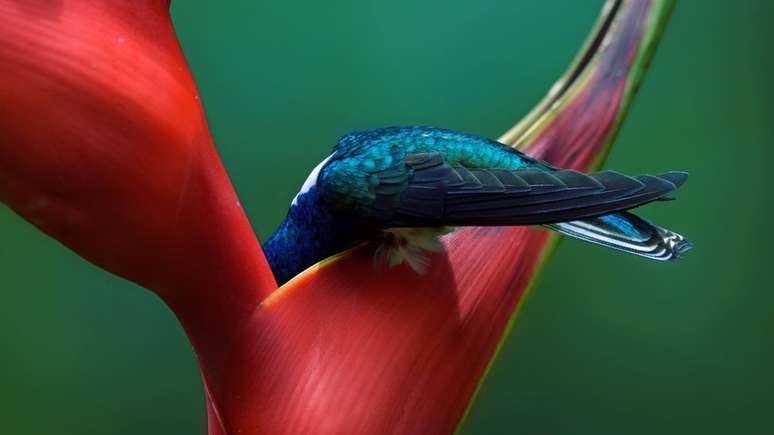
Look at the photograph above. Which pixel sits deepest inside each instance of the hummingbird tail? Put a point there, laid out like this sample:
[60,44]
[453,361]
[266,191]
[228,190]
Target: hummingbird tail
[627,232]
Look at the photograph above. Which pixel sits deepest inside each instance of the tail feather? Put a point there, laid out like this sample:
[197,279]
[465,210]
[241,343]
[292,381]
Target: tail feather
[628,233]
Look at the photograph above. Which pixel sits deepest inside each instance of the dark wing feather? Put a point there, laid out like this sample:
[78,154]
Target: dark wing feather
[439,194]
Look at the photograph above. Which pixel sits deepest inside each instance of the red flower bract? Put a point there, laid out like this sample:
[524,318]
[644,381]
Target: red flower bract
[104,146]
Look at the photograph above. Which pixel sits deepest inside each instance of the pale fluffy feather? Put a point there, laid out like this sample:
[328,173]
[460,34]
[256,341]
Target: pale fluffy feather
[409,245]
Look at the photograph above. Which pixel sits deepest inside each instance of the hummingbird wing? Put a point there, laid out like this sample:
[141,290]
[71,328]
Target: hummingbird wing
[424,190]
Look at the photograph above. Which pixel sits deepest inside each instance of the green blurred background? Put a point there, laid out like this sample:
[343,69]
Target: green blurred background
[608,343]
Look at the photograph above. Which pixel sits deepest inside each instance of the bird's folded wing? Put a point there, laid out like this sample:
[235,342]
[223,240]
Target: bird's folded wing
[441,194]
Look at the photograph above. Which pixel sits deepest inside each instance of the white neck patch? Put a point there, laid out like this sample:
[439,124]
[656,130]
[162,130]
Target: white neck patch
[311,180]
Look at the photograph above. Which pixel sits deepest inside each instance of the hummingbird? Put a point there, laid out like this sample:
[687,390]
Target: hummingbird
[404,188]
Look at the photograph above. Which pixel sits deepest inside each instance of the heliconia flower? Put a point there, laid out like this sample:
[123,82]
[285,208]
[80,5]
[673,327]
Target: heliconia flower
[104,146]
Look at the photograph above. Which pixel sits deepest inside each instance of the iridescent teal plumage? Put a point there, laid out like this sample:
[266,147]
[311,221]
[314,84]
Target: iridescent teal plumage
[424,177]
[366,160]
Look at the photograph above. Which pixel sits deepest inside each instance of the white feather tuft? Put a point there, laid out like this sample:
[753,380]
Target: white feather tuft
[409,245]
[311,180]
